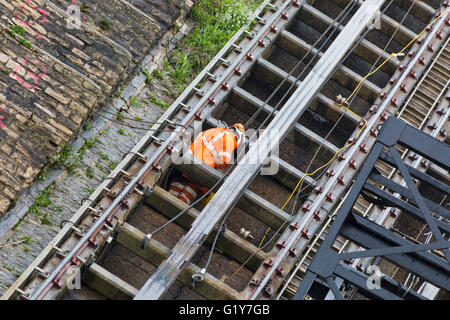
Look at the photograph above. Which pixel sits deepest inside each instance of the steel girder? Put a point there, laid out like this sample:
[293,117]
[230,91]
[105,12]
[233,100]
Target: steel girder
[420,259]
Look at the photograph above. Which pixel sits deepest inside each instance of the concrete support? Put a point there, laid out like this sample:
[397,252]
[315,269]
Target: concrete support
[388,25]
[255,103]
[108,284]
[156,253]
[231,244]
[250,202]
[343,75]
[366,49]
[272,74]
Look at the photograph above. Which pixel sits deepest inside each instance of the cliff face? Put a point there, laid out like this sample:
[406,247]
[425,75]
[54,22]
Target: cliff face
[59,60]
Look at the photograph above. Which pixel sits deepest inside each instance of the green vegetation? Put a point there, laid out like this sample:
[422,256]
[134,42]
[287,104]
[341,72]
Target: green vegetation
[148,76]
[20,31]
[158,74]
[121,131]
[42,176]
[88,126]
[41,201]
[62,158]
[84,8]
[89,191]
[216,22]
[112,165]
[135,102]
[105,24]
[26,239]
[103,156]
[90,173]
[159,103]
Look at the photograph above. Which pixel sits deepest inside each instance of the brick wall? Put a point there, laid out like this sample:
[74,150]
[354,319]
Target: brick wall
[55,74]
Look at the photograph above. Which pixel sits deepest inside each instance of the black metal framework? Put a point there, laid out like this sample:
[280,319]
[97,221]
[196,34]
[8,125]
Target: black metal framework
[328,265]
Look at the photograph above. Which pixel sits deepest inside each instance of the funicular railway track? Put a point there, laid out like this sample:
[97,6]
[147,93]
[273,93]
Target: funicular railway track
[235,83]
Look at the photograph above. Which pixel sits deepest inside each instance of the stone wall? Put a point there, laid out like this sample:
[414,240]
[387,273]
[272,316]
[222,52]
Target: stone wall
[62,67]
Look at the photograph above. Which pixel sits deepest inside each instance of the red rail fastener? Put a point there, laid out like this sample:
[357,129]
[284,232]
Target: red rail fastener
[306,208]
[383,95]
[341,180]
[268,291]
[198,116]
[285,16]
[261,43]
[411,54]
[342,157]
[439,35]
[75,261]
[374,132]
[305,234]
[238,71]
[296,3]
[424,163]
[361,124]
[212,101]
[318,190]
[280,272]
[294,225]
[446,4]
[413,74]
[441,112]
[430,48]
[443,132]
[255,283]
[293,252]
[422,61]
[447,22]
[420,41]
[93,240]
[432,126]
[352,164]
[392,81]
[225,86]
[58,282]
[403,88]
[429,28]
[330,173]
[363,148]
[383,117]
[393,213]
[413,156]
[317,215]
[124,203]
[330,197]
[281,244]
[268,263]
[273,28]
[351,140]
[401,67]
[394,102]
[249,56]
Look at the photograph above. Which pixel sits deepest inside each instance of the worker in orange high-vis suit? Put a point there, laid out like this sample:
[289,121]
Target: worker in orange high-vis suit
[214,147]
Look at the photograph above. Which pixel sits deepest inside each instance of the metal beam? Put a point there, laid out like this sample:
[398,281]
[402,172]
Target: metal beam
[242,175]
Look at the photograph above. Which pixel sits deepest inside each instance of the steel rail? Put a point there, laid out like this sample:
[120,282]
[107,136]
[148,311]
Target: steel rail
[296,235]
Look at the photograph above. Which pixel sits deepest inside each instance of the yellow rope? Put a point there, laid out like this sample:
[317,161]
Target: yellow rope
[365,121]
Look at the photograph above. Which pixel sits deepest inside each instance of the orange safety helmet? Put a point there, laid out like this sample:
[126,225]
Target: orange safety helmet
[239,132]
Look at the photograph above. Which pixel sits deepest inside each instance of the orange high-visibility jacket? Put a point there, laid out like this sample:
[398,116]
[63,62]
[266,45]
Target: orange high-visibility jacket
[214,147]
